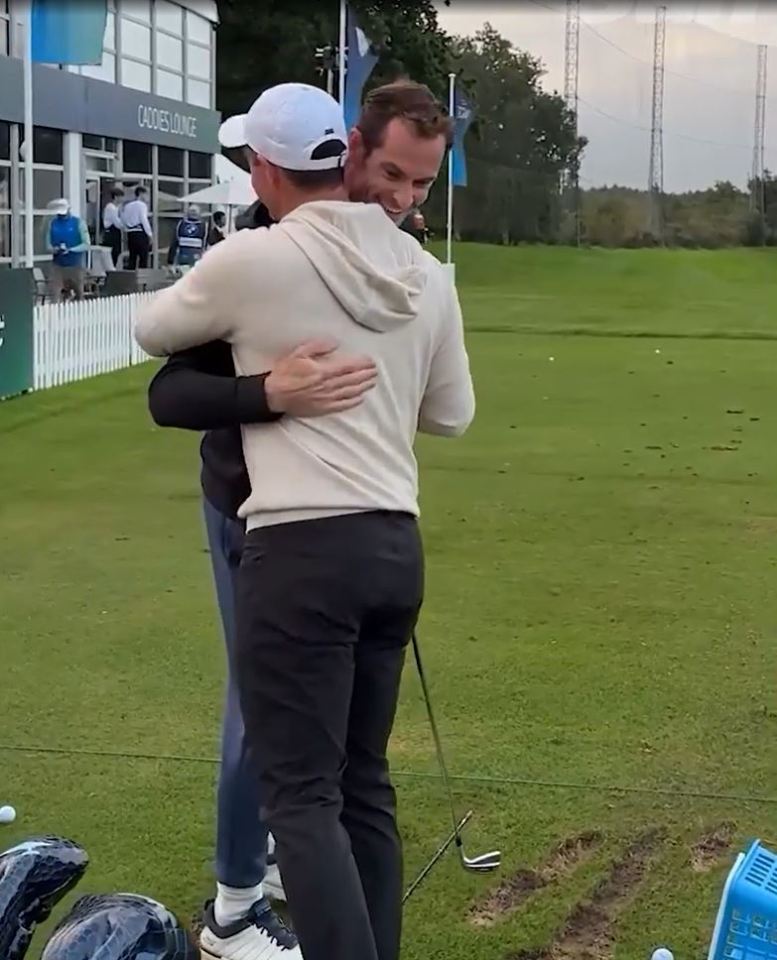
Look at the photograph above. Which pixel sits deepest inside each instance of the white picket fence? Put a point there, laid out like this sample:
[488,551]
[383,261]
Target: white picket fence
[80,339]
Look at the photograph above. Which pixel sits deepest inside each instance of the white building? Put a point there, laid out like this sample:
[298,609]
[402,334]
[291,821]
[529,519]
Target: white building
[146,115]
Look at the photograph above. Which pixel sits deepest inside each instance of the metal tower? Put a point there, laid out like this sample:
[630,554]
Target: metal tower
[656,174]
[571,184]
[757,175]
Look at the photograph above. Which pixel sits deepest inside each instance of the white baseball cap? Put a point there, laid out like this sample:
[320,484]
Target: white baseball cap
[293,125]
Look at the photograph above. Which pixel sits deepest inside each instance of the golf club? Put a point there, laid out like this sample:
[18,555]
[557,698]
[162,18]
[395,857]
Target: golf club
[439,853]
[486,862]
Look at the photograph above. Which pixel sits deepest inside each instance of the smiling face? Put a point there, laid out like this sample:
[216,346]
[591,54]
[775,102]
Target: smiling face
[399,172]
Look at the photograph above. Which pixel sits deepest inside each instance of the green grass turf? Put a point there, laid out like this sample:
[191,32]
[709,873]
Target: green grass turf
[601,606]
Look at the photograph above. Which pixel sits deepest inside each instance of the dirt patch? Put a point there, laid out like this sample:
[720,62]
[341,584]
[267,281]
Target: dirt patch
[513,892]
[589,932]
[708,851]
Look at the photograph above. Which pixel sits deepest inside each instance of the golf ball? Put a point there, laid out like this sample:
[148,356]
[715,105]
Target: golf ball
[7,814]
[551,359]
[663,953]
[658,351]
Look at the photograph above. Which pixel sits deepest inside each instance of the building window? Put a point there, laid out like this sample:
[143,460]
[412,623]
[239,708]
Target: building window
[137,9]
[135,75]
[48,176]
[47,185]
[169,52]
[106,69]
[5,30]
[198,28]
[5,193]
[199,38]
[5,237]
[170,162]
[200,166]
[198,93]
[169,17]
[169,193]
[198,61]
[47,146]
[135,40]
[137,157]
[169,84]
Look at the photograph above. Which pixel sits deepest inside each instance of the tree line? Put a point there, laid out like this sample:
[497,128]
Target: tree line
[522,148]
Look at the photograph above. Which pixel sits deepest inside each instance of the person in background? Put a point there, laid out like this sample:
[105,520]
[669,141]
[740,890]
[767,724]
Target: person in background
[69,243]
[415,225]
[112,225]
[136,223]
[218,228]
[188,244]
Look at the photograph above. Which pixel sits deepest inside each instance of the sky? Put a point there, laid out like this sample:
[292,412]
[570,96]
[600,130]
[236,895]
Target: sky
[709,85]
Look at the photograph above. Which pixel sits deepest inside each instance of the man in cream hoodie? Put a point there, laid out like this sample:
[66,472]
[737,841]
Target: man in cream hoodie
[332,574]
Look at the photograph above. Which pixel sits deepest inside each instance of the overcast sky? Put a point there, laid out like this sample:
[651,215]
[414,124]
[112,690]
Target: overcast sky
[709,97]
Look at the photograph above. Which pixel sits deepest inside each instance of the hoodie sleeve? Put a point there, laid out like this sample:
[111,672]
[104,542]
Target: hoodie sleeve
[448,406]
[195,309]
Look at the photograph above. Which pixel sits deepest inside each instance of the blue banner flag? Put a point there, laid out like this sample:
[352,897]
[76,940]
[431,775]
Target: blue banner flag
[360,64]
[68,31]
[463,113]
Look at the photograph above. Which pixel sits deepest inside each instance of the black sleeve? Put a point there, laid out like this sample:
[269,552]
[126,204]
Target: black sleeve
[197,390]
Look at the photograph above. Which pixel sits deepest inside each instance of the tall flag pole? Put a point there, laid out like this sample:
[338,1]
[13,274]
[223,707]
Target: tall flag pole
[452,113]
[462,112]
[29,204]
[341,68]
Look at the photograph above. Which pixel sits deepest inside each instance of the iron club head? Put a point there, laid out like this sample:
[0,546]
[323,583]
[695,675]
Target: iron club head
[485,863]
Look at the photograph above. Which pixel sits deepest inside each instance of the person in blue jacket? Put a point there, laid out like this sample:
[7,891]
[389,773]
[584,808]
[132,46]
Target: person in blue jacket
[69,242]
[190,239]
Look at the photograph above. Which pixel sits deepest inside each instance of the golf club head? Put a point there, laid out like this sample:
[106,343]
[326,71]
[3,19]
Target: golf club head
[485,863]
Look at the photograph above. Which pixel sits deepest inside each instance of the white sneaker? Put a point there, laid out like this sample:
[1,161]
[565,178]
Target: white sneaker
[259,936]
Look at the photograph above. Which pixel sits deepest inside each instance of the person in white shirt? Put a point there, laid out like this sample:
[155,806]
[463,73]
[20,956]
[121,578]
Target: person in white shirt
[135,219]
[331,581]
[112,224]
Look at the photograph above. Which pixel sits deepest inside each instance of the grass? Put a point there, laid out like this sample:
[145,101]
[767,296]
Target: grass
[601,610]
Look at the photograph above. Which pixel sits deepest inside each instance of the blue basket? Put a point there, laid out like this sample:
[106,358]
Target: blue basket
[746,926]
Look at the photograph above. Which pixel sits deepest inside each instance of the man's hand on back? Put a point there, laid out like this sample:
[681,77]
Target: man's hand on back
[311,381]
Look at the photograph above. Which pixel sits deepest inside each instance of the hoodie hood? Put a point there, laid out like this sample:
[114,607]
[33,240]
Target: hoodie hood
[376,272]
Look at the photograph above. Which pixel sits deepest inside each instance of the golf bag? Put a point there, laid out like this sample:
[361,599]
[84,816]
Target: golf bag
[120,926]
[34,876]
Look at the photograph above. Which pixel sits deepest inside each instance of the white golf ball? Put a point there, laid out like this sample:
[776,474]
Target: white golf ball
[551,359]
[7,814]
[663,953]
[658,351]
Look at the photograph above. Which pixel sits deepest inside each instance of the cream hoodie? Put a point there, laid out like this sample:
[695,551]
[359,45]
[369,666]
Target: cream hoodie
[341,270]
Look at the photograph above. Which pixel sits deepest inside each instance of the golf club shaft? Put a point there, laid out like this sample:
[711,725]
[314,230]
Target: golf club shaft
[437,741]
[437,856]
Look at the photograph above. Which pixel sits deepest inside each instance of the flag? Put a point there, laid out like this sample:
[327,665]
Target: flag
[68,31]
[463,112]
[360,64]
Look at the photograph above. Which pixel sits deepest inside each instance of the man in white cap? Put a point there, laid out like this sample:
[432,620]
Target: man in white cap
[69,243]
[331,581]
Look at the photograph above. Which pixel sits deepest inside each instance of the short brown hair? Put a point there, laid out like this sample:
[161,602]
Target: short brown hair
[315,179]
[403,100]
